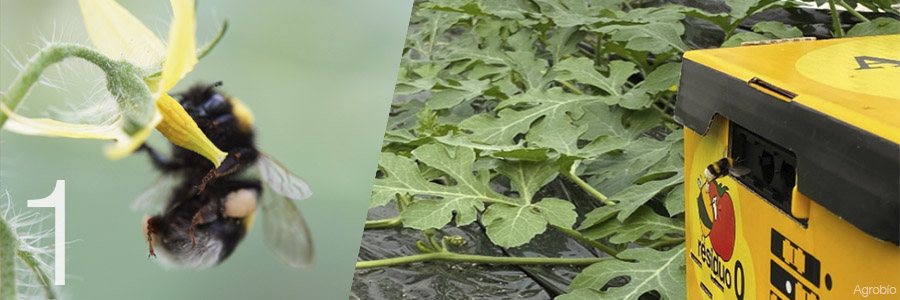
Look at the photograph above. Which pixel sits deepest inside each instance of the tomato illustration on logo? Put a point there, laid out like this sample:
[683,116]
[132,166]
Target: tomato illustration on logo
[722,224]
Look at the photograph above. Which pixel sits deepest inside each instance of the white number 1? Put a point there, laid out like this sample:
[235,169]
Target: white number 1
[57,200]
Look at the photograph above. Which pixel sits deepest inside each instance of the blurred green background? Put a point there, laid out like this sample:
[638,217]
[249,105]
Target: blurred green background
[318,77]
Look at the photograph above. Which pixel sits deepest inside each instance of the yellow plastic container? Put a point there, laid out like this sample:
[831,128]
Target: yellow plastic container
[813,129]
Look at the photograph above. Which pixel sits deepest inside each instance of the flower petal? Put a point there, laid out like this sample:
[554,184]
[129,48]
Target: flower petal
[119,35]
[181,130]
[181,56]
[49,127]
[125,144]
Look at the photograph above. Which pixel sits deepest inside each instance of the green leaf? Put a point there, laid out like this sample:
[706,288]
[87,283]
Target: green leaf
[602,120]
[737,39]
[661,79]
[539,154]
[557,212]
[491,55]
[511,226]
[598,215]
[462,140]
[675,200]
[564,41]
[528,177]
[510,9]
[652,37]
[777,29]
[660,271]
[568,13]
[428,38]
[646,223]
[743,8]
[529,68]
[879,26]
[460,6]
[562,136]
[719,19]
[764,31]
[465,198]
[453,95]
[612,172]
[582,70]
[501,130]
[634,196]
[404,115]
[523,40]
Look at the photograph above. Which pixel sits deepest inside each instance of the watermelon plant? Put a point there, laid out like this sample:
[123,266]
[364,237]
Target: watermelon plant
[497,101]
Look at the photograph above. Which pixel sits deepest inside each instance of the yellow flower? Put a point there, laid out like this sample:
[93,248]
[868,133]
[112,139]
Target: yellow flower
[120,36]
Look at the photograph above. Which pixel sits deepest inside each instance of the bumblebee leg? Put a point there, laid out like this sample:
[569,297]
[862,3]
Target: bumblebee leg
[231,163]
[149,231]
[160,162]
[197,220]
[205,215]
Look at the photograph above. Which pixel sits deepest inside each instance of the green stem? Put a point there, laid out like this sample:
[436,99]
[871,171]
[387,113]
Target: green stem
[203,51]
[403,201]
[212,44]
[8,245]
[852,11]
[835,22]
[588,188]
[384,223]
[46,57]
[578,236]
[598,55]
[39,273]
[480,259]
[571,87]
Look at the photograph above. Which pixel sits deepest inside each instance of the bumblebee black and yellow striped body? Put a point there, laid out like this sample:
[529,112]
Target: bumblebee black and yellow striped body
[722,167]
[207,211]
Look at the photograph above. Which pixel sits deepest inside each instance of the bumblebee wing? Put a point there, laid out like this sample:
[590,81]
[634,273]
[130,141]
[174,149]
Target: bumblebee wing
[284,231]
[157,193]
[738,171]
[277,177]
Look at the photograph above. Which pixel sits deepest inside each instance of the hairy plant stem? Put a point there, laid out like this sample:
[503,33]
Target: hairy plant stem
[480,259]
[212,44]
[852,11]
[835,22]
[571,87]
[384,223]
[46,57]
[8,246]
[402,201]
[578,236]
[39,273]
[588,188]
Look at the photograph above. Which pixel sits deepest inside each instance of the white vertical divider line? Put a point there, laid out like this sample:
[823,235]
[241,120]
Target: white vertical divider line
[57,200]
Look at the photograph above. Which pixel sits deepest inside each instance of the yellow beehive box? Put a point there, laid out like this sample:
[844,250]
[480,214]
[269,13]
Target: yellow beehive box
[811,208]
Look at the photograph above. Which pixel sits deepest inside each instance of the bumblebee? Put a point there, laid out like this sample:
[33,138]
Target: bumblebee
[207,211]
[722,167]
